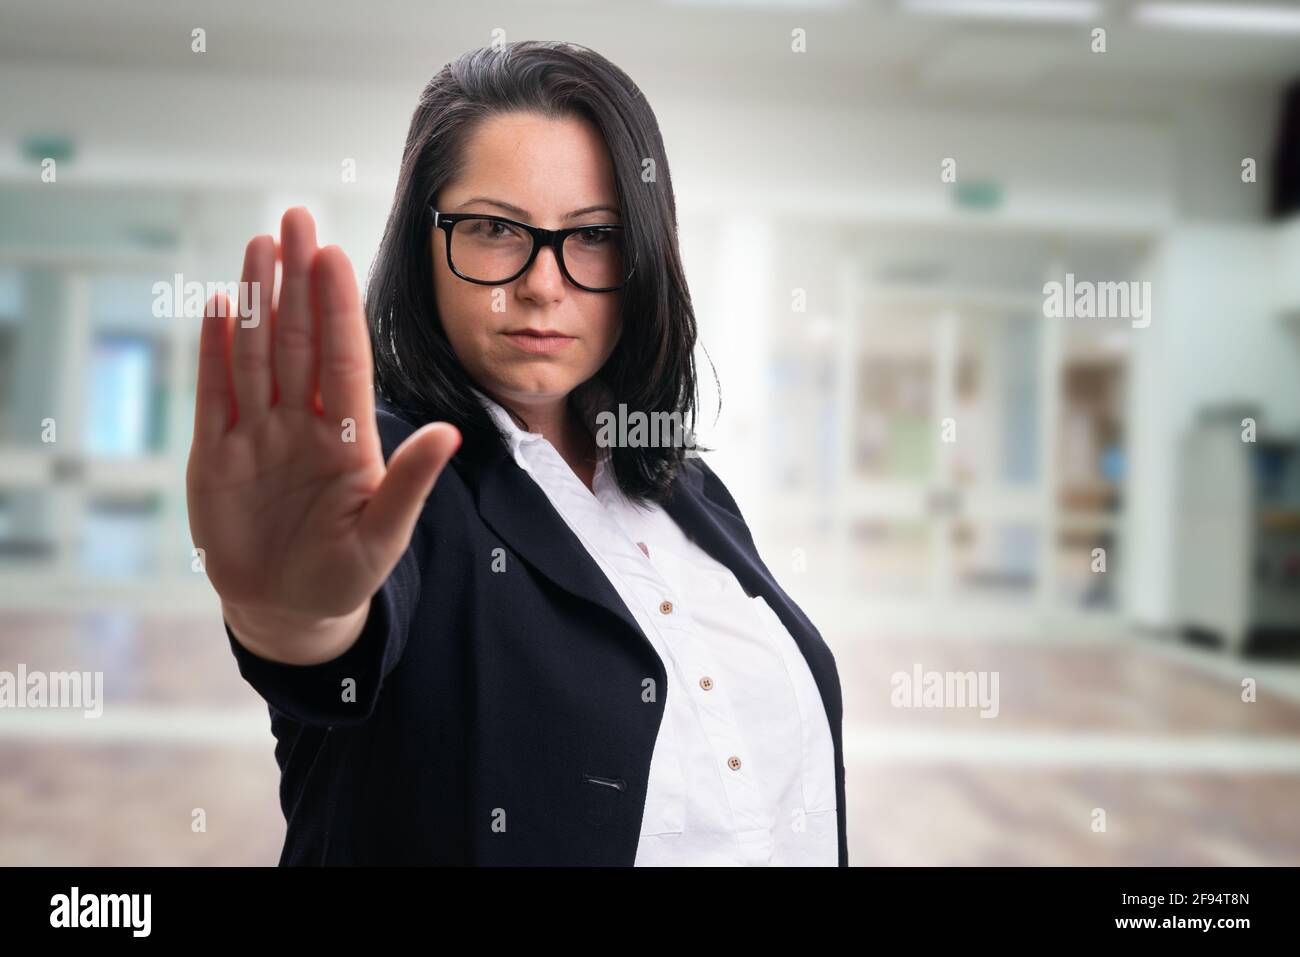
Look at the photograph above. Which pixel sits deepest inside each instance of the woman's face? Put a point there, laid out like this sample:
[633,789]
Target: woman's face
[553,173]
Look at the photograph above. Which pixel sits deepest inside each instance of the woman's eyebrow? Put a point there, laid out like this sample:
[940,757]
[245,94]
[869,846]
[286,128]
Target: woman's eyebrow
[593,209]
[516,211]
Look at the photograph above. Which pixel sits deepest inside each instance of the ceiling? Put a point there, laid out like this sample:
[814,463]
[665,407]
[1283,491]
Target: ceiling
[857,50]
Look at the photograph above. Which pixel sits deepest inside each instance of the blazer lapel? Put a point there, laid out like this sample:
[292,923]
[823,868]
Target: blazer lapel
[516,508]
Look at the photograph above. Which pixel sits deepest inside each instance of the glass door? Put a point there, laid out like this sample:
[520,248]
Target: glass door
[944,481]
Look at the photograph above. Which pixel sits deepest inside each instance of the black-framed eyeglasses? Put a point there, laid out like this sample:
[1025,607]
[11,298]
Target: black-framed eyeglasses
[493,250]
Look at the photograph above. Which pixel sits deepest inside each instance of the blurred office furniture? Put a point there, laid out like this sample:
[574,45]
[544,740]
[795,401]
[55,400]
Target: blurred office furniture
[1239,533]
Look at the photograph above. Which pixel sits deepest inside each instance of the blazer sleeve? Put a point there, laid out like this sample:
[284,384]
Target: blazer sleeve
[315,694]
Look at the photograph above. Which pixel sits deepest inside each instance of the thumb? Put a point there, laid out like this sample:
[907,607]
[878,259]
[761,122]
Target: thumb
[390,516]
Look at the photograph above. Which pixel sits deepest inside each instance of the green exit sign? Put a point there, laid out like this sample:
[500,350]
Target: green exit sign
[981,194]
[41,147]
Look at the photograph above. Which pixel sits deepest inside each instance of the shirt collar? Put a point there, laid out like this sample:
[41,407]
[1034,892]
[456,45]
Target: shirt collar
[517,438]
[514,435]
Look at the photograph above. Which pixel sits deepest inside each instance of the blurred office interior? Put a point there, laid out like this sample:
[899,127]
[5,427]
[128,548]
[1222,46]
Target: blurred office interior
[930,464]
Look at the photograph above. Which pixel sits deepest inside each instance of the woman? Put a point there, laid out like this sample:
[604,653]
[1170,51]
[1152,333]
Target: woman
[559,650]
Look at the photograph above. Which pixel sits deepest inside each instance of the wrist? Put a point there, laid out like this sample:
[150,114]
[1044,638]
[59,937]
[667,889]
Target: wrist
[291,638]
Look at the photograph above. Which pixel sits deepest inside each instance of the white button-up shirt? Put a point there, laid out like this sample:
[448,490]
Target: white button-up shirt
[743,769]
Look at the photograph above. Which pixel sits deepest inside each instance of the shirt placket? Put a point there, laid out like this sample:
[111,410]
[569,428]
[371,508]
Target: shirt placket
[697,671]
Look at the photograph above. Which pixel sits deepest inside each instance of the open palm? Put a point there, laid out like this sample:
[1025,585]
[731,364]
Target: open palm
[299,517]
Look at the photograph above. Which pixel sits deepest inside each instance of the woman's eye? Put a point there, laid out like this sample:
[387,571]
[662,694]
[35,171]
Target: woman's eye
[488,229]
[594,237]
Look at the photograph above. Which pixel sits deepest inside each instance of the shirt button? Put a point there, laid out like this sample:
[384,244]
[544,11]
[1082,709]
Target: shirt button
[733,762]
[665,608]
[706,683]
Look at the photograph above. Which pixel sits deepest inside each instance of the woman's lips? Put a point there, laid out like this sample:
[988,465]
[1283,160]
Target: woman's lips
[530,342]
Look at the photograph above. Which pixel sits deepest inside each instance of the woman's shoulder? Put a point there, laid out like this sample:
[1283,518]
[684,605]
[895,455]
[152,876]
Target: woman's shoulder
[709,483]
[393,419]
[395,425]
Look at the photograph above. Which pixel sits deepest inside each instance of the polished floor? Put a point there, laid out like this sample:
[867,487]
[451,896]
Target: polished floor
[1124,751]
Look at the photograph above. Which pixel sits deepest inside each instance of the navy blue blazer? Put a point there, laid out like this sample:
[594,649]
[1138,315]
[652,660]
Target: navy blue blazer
[498,715]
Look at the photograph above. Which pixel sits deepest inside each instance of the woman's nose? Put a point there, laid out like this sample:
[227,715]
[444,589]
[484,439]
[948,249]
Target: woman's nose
[544,276]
